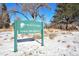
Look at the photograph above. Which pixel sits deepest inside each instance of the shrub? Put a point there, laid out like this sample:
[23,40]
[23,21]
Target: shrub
[51,36]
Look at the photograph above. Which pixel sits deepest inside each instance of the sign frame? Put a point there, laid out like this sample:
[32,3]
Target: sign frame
[16,33]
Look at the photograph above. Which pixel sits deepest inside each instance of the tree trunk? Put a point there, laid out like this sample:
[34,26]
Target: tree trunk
[67,26]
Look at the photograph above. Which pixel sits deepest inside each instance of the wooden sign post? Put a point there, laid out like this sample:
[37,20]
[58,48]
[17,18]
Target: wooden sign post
[27,27]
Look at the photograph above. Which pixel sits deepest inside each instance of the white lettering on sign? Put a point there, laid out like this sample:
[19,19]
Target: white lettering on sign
[22,25]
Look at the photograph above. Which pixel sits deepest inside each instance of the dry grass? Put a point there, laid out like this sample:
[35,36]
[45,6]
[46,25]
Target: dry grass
[37,36]
[52,35]
[68,46]
[9,29]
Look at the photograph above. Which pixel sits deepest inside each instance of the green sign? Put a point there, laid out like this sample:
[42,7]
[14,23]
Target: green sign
[27,27]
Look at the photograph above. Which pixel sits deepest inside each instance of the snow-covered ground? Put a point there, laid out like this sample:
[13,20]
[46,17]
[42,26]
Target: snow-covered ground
[63,44]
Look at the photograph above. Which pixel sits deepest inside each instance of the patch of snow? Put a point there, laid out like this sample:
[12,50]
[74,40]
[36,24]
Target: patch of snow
[62,45]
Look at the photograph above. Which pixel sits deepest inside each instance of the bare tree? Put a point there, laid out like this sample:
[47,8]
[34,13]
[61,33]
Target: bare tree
[33,8]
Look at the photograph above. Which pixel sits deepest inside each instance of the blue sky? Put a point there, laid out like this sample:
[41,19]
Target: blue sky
[43,11]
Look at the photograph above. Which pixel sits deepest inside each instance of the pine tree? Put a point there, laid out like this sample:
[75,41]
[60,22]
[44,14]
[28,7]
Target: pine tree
[66,13]
[5,20]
